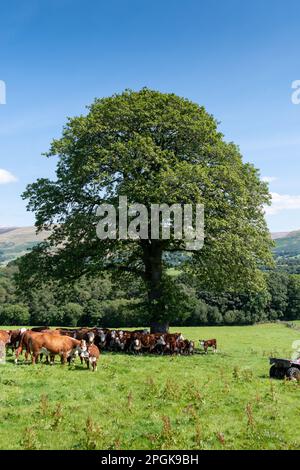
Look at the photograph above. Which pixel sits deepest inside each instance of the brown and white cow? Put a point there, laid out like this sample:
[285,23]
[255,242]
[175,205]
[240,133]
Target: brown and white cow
[172,343]
[208,343]
[186,347]
[148,342]
[15,338]
[90,353]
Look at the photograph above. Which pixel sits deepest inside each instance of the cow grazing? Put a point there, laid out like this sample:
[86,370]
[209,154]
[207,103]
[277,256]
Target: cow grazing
[90,353]
[208,343]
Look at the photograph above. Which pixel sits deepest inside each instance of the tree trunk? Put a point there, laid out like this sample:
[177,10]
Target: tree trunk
[156,327]
[152,255]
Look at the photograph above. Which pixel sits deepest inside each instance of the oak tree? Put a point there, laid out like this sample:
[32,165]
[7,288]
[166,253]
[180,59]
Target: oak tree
[153,148]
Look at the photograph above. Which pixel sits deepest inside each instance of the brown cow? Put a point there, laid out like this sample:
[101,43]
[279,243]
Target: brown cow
[208,343]
[172,341]
[24,344]
[90,353]
[52,344]
[51,332]
[36,343]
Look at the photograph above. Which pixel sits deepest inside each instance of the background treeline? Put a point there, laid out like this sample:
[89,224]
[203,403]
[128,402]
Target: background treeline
[112,302]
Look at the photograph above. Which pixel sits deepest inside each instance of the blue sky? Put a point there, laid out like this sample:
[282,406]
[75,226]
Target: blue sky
[238,58]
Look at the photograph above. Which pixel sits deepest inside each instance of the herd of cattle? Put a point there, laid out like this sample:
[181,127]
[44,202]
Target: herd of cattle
[88,342]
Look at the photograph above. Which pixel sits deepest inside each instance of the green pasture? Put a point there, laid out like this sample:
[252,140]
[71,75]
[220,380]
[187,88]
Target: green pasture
[215,401]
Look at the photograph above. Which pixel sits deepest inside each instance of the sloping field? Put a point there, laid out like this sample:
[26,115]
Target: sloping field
[16,242]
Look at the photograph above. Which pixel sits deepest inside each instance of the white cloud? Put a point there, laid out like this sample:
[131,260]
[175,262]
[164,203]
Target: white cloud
[282,202]
[6,177]
[269,179]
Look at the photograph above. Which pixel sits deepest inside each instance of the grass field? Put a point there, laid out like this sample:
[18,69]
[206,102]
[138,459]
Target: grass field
[218,401]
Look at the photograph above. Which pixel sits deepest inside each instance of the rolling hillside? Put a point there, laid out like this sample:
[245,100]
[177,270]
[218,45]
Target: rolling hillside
[289,245]
[15,242]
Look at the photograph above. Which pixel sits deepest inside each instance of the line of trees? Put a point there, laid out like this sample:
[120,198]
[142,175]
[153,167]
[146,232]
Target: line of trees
[122,302]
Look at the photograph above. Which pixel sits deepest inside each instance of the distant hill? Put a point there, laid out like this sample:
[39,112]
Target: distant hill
[6,229]
[16,241]
[276,235]
[289,245]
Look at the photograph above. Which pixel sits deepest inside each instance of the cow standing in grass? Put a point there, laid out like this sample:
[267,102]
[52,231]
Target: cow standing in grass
[90,353]
[208,343]
[24,344]
[50,343]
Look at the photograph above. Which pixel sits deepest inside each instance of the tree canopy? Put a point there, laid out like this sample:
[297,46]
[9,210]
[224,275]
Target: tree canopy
[152,148]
